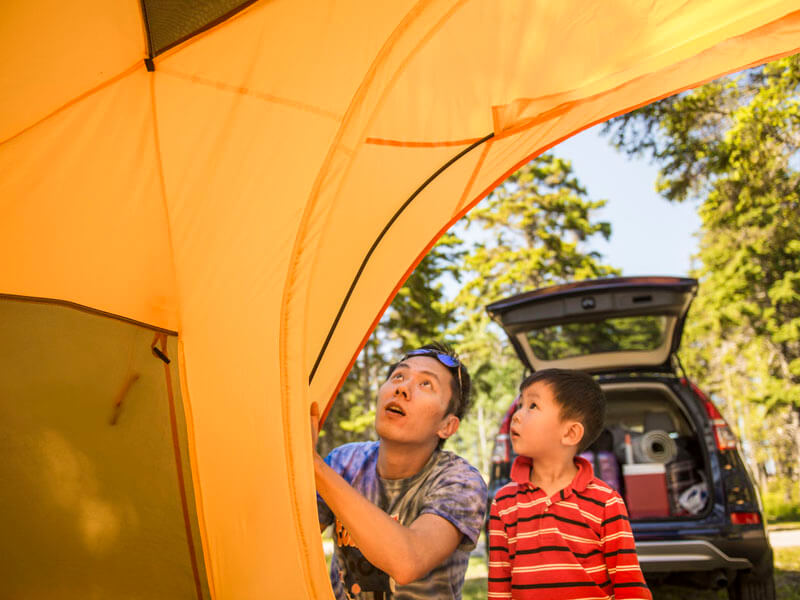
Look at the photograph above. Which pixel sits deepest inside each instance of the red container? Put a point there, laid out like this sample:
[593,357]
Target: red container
[646,490]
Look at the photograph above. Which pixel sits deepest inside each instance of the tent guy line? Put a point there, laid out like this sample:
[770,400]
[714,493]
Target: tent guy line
[377,241]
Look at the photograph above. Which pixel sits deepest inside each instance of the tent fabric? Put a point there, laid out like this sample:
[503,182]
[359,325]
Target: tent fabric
[261,189]
[95,445]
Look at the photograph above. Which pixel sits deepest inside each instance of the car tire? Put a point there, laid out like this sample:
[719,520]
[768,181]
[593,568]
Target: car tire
[748,586]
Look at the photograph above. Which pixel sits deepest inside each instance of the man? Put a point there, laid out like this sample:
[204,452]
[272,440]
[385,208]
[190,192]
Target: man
[406,513]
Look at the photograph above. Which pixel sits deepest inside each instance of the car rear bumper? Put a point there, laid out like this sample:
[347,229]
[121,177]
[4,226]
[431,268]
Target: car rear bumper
[685,555]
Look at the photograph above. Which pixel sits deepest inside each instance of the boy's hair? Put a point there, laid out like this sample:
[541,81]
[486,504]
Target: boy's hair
[460,383]
[579,397]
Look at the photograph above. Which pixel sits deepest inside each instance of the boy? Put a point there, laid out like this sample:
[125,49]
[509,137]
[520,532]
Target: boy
[556,531]
[406,513]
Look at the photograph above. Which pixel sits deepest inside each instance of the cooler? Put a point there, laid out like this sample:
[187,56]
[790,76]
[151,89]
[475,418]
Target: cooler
[646,490]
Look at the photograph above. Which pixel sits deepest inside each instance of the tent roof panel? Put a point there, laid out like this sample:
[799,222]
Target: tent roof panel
[56,52]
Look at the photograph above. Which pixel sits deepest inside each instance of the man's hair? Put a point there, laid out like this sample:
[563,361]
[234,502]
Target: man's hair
[578,395]
[459,399]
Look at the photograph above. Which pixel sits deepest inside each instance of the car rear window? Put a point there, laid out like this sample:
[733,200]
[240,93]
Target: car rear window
[620,334]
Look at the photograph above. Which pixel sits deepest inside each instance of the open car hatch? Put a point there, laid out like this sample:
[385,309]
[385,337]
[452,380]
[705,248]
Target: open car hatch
[598,325]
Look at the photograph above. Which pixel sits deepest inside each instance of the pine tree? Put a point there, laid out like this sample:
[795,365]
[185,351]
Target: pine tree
[733,145]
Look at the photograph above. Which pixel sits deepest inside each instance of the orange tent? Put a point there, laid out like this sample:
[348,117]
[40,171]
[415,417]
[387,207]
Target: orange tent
[205,208]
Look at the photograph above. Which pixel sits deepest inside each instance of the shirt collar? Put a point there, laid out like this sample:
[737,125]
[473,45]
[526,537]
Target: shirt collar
[521,474]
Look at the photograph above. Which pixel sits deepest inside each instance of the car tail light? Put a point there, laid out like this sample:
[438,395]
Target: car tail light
[745,518]
[726,440]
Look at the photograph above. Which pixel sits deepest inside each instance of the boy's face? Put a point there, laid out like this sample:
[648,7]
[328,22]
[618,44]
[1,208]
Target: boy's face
[537,429]
[412,403]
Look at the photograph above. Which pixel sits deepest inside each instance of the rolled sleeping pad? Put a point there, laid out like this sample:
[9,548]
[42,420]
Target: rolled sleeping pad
[654,447]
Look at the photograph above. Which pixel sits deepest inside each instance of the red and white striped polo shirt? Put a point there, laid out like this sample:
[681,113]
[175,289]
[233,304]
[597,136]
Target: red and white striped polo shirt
[576,544]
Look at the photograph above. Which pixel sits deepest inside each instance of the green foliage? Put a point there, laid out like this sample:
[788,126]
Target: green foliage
[781,500]
[420,312]
[538,222]
[733,145]
[495,372]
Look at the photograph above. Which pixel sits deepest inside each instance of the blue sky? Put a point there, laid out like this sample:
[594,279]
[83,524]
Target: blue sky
[649,236]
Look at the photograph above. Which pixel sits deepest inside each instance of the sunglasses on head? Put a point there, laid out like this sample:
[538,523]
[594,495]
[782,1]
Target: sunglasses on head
[448,361]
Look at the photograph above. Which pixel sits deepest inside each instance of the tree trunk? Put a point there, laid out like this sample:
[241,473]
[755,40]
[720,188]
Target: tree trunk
[482,441]
[366,377]
[795,474]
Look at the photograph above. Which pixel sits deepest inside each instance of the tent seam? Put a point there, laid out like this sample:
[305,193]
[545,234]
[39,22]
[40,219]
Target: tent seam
[191,444]
[472,178]
[270,98]
[187,400]
[419,144]
[163,188]
[101,86]
[180,476]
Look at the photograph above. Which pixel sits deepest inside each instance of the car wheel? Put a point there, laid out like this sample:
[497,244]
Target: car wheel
[751,587]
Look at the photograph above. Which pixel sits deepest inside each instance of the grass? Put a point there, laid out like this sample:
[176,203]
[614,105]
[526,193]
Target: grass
[778,525]
[474,589]
[787,573]
[781,500]
[787,582]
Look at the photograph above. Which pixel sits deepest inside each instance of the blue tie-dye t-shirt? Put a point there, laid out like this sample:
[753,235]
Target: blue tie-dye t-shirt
[447,486]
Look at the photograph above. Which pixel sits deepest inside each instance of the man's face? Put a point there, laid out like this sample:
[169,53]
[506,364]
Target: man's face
[412,404]
[537,427]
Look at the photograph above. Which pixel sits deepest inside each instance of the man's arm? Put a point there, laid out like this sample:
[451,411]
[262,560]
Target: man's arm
[405,553]
[619,551]
[499,561]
